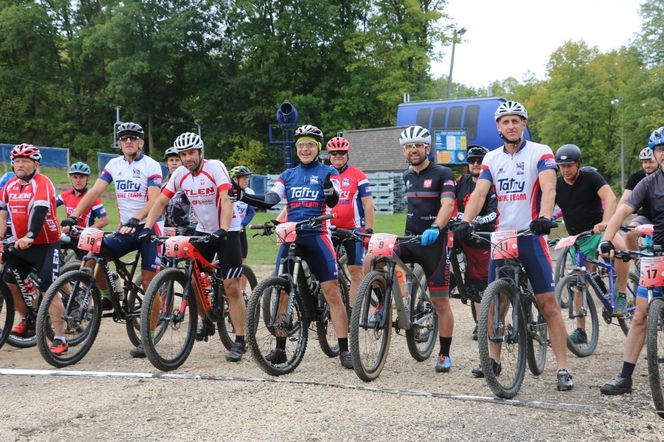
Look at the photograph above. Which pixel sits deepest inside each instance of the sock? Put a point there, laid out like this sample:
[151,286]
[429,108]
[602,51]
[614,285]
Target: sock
[239,339]
[281,343]
[343,344]
[627,370]
[105,294]
[62,338]
[445,344]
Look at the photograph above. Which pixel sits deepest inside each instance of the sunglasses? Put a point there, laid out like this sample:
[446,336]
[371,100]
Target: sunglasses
[475,161]
[129,138]
[338,153]
[414,146]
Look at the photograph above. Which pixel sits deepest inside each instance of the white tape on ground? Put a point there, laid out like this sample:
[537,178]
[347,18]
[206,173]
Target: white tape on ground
[384,390]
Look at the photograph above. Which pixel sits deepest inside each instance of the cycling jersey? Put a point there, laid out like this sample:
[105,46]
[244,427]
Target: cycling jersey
[354,186]
[70,200]
[580,202]
[651,191]
[20,201]
[516,180]
[132,181]
[632,181]
[5,178]
[424,191]
[178,211]
[302,187]
[202,189]
[487,218]
[243,213]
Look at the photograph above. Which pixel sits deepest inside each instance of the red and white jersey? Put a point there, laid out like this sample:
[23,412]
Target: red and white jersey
[70,200]
[516,178]
[202,190]
[132,181]
[20,201]
[354,186]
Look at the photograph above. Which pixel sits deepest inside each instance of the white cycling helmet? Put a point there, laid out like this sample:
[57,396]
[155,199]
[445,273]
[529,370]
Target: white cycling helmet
[511,108]
[415,134]
[646,154]
[188,141]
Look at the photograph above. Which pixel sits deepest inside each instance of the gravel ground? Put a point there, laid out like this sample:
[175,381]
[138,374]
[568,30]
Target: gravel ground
[319,401]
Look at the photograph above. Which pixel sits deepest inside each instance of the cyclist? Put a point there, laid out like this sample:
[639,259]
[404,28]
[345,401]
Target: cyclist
[355,209]
[524,174]
[206,184]
[430,195]
[178,210]
[643,216]
[95,216]
[137,179]
[587,203]
[650,189]
[310,189]
[29,198]
[243,213]
[477,252]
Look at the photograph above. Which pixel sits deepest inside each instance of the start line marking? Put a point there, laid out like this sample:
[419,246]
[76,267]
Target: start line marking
[385,390]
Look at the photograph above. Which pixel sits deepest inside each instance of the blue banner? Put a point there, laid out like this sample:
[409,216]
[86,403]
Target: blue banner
[51,156]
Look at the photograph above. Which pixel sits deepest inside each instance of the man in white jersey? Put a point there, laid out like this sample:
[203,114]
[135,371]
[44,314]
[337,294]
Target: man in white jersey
[524,175]
[137,180]
[206,184]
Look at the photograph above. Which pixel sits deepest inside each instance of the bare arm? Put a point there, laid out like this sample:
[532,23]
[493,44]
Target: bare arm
[547,179]
[3,223]
[625,195]
[101,222]
[226,210]
[445,211]
[369,211]
[90,197]
[622,212]
[609,200]
[476,201]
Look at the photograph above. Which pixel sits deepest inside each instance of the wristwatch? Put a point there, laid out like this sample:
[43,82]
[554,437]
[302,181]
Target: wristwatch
[30,235]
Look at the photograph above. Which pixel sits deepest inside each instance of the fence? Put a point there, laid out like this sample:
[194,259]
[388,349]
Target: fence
[51,156]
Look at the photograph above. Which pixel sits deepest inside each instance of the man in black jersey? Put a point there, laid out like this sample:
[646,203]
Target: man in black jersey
[648,166]
[430,195]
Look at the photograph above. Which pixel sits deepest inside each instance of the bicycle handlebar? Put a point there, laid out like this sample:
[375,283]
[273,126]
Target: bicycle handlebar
[268,227]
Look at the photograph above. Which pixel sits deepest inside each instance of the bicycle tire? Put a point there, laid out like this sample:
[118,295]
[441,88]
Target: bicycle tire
[69,266]
[560,270]
[6,313]
[567,289]
[368,363]
[169,343]
[327,337]
[262,332]
[507,390]
[224,324]
[538,338]
[132,315]
[625,322]
[655,354]
[19,341]
[422,335]
[81,312]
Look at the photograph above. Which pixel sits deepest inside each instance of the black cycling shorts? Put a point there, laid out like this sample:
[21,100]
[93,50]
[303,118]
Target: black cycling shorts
[44,259]
[433,260]
[229,254]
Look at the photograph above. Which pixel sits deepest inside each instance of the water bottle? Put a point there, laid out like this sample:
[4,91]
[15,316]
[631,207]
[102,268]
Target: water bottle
[206,284]
[597,276]
[30,292]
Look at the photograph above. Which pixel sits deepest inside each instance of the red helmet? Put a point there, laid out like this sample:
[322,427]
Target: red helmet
[26,151]
[337,143]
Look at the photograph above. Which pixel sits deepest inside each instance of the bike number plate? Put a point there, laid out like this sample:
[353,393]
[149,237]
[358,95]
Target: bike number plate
[286,233]
[652,271]
[178,247]
[504,245]
[382,244]
[645,229]
[90,240]
[566,242]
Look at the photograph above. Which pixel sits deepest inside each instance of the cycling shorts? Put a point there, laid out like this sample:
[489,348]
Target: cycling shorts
[318,251]
[354,250]
[44,259]
[433,260]
[534,254]
[118,246]
[640,220]
[642,292]
[228,252]
[477,262]
[588,246]
[244,245]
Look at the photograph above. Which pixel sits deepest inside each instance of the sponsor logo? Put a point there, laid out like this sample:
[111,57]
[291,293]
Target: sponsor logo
[313,179]
[304,193]
[127,186]
[510,185]
[345,182]
[200,191]
[427,183]
[136,173]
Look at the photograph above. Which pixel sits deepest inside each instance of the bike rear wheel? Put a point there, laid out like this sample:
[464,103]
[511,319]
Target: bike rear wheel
[268,318]
[168,320]
[538,337]
[499,301]
[72,302]
[625,322]
[423,332]
[6,313]
[571,299]
[224,324]
[655,353]
[371,326]
[132,313]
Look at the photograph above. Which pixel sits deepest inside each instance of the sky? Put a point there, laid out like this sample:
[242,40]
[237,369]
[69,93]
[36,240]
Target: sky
[508,39]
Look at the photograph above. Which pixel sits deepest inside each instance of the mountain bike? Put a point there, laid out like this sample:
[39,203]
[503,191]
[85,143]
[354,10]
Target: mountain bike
[575,297]
[284,306]
[371,321]
[510,317]
[74,301]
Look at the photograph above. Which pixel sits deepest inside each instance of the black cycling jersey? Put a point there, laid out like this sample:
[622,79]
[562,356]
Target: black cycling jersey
[424,191]
[632,181]
[178,211]
[651,191]
[486,220]
[580,203]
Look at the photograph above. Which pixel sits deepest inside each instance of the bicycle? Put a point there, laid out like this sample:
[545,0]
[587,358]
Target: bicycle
[75,301]
[371,321]
[575,291]
[284,306]
[521,330]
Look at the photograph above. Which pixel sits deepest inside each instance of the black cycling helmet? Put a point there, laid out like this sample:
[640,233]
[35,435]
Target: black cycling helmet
[476,151]
[568,153]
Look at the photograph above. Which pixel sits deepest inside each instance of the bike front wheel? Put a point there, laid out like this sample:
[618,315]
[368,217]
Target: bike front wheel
[6,313]
[423,331]
[271,318]
[579,314]
[370,326]
[655,353]
[168,320]
[70,308]
[501,333]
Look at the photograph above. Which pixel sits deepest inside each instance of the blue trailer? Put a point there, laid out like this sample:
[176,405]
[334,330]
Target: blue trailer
[455,124]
